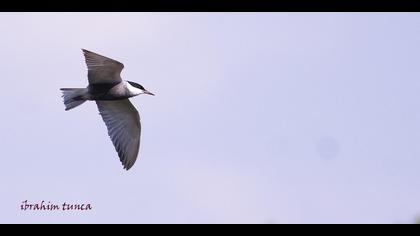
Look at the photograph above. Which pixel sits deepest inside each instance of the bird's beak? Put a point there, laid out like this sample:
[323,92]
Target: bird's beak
[147,92]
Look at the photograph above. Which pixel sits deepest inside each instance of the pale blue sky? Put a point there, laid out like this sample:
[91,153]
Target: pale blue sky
[257,118]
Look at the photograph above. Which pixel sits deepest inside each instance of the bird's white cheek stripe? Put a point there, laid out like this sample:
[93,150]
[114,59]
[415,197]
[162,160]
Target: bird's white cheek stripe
[134,90]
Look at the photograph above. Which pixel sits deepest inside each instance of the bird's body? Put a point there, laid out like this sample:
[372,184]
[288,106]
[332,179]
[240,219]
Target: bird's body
[111,94]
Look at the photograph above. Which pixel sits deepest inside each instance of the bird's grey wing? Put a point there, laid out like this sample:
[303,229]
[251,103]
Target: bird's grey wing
[102,69]
[123,123]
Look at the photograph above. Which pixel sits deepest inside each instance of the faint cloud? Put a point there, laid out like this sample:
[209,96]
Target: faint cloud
[328,147]
[270,221]
[417,220]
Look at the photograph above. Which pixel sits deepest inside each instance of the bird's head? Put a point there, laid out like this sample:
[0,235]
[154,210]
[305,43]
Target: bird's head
[136,89]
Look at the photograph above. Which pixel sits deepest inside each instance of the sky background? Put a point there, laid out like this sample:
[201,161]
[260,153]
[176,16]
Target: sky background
[257,118]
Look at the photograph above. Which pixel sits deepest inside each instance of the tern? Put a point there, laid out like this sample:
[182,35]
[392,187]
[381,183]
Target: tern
[111,95]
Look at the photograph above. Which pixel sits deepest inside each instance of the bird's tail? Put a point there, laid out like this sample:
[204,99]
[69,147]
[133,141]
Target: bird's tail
[73,97]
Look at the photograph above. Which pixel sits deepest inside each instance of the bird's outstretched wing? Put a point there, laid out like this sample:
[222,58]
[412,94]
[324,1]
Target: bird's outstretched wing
[102,69]
[123,123]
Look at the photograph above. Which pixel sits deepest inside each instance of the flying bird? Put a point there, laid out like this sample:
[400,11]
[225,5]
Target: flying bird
[111,95]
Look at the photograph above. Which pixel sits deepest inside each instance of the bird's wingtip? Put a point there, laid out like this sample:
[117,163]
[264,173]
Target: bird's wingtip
[127,166]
